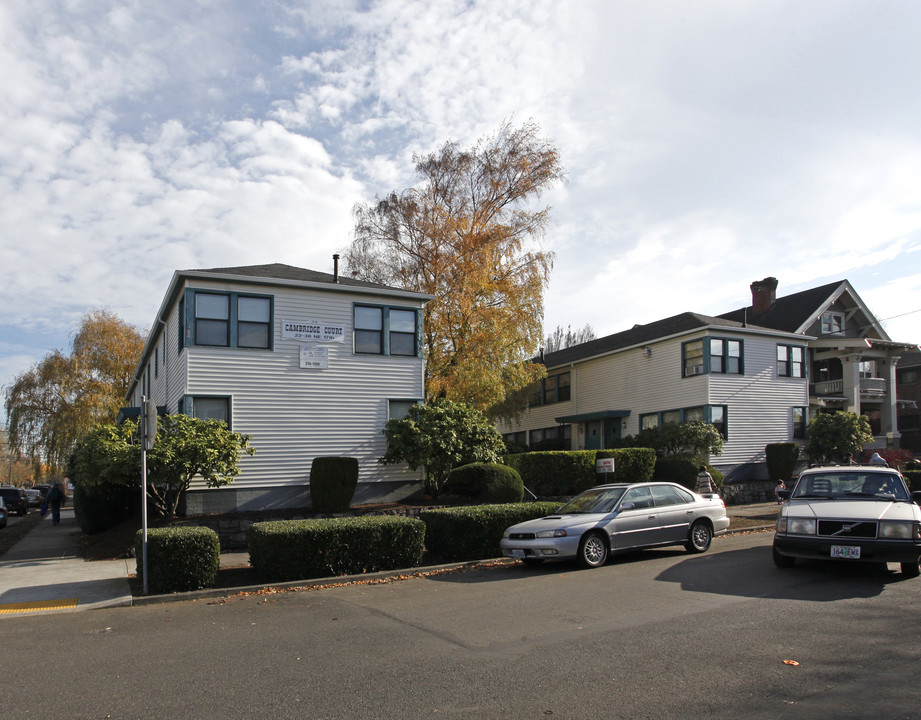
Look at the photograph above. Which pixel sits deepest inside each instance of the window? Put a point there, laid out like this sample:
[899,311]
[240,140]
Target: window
[908,377]
[381,330]
[718,419]
[713,414]
[552,389]
[254,322]
[641,497]
[399,409]
[715,355]
[666,496]
[206,407]
[791,361]
[832,323]
[693,357]
[558,437]
[226,320]
[799,423]
[726,356]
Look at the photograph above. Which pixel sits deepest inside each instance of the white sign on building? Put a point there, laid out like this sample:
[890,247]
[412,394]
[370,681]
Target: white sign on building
[314,357]
[311,331]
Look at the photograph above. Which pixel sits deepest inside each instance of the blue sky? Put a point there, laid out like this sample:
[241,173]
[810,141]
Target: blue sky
[707,144]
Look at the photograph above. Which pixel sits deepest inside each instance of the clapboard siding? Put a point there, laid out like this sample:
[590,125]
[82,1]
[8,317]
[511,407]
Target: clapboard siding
[295,414]
[759,404]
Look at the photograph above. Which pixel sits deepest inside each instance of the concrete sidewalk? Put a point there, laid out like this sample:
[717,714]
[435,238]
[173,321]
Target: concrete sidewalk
[45,572]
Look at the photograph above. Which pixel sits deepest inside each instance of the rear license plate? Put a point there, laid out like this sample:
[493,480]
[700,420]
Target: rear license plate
[848,552]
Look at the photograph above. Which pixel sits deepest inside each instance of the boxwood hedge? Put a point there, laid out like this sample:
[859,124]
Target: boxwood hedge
[282,550]
[179,558]
[569,472]
[473,533]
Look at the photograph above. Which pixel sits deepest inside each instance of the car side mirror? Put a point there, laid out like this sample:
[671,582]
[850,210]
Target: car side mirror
[783,494]
[628,506]
[916,496]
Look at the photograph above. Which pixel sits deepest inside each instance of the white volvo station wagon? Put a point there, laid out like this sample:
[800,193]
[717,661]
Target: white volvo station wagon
[851,513]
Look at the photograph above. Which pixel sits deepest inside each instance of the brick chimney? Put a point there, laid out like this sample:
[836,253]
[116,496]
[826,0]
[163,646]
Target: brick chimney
[763,294]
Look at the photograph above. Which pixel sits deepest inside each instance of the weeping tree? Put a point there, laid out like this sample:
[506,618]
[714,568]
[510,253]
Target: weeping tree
[468,234]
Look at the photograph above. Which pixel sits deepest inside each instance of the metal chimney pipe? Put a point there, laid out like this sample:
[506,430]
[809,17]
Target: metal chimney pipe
[335,268]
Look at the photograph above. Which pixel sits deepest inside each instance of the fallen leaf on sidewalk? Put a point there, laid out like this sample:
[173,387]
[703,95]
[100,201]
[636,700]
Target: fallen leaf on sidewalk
[790,662]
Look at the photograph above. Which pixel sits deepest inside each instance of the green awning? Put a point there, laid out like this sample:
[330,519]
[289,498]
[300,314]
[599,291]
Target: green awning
[587,417]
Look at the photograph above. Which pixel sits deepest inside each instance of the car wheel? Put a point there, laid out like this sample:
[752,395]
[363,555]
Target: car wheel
[911,569]
[699,537]
[782,561]
[593,551]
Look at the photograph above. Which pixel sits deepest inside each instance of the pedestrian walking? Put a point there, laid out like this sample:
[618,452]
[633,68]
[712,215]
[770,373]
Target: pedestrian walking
[705,482]
[781,485]
[55,499]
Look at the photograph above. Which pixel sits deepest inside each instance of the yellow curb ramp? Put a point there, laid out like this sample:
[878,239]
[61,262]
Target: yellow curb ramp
[62,604]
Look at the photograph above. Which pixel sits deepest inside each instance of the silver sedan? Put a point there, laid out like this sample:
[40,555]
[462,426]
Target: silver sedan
[614,518]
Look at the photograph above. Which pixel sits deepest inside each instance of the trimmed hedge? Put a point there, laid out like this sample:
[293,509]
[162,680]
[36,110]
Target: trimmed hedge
[98,509]
[683,469]
[179,558]
[332,483]
[282,550]
[781,460]
[486,482]
[473,533]
[569,472]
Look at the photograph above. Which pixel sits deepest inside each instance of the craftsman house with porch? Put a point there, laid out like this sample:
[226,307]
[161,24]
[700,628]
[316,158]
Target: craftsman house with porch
[758,374]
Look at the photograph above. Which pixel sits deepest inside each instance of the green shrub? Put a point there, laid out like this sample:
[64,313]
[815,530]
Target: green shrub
[781,460]
[332,483]
[96,509]
[486,482]
[683,469]
[179,558]
[282,550]
[473,533]
[569,472]
[913,478]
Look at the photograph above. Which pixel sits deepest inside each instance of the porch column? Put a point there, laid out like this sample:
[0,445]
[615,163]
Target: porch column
[888,415]
[850,364]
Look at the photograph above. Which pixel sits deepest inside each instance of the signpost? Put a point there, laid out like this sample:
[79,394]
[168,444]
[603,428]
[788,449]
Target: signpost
[605,466]
[148,433]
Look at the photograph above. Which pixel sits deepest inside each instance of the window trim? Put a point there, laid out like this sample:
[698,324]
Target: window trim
[562,391]
[788,362]
[706,363]
[386,334]
[188,320]
[186,405]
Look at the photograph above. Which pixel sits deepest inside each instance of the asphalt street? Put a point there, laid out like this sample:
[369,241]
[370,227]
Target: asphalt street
[657,634]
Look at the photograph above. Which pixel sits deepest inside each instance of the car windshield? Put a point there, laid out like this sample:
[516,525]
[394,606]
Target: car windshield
[850,484]
[598,500]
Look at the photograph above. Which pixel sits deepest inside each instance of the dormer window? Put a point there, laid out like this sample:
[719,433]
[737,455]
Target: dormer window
[832,323]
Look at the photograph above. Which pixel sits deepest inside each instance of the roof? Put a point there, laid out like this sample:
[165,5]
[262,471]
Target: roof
[280,271]
[640,334]
[791,312]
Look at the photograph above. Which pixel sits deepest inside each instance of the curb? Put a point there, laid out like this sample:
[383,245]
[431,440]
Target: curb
[337,580]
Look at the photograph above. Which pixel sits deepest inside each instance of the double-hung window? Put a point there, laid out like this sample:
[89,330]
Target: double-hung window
[791,361]
[712,355]
[726,356]
[228,319]
[382,330]
[552,389]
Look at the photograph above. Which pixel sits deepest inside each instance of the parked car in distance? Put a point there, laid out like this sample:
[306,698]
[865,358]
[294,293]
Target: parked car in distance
[3,514]
[34,495]
[15,499]
[614,518]
[851,513]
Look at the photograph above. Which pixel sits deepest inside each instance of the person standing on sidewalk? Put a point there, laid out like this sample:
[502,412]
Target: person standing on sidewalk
[55,499]
[705,482]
